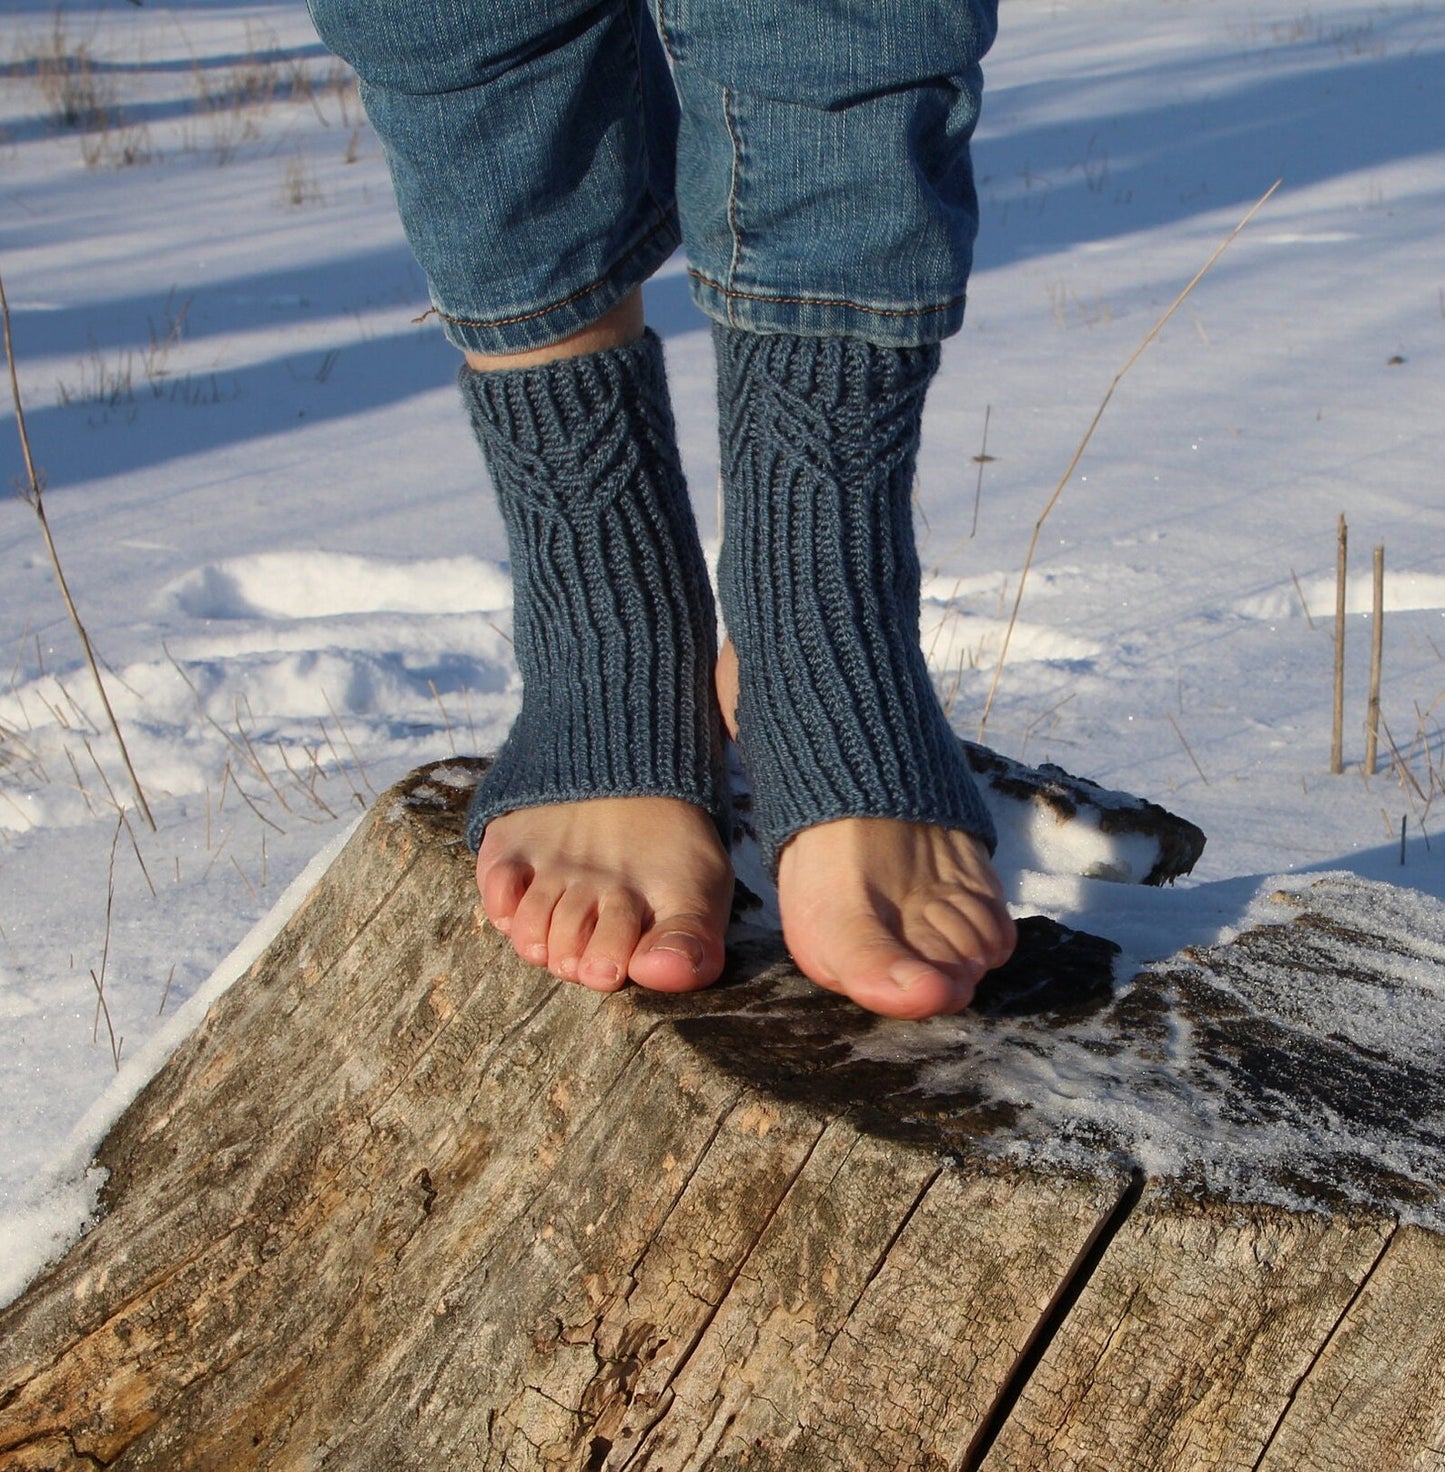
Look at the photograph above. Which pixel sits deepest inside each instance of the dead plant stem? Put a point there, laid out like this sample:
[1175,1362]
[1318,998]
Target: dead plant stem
[1377,650]
[36,499]
[1068,474]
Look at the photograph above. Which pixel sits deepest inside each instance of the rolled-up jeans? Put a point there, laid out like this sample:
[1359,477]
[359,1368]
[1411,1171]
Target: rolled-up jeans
[812,156]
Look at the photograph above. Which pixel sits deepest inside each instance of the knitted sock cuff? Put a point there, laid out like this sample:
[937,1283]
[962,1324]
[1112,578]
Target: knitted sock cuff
[819,582]
[614,624]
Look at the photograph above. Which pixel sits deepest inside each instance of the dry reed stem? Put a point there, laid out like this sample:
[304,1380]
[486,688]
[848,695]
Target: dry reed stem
[146,873]
[340,765]
[1337,727]
[1189,750]
[1401,764]
[1053,500]
[102,1007]
[256,762]
[36,500]
[237,867]
[360,770]
[983,458]
[1039,719]
[310,791]
[446,719]
[1377,651]
[246,798]
[1302,603]
[80,784]
[170,977]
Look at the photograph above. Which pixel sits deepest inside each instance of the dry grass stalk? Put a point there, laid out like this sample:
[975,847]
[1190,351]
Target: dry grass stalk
[336,756]
[1337,730]
[1377,651]
[360,770]
[35,498]
[102,1007]
[446,719]
[1189,750]
[170,977]
[1294,577]
[983,457]
[1401,763]
[244,880]
[1068,474]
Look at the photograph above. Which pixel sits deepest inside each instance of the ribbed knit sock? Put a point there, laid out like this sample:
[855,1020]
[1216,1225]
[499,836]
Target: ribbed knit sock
[614,623]
[819,583]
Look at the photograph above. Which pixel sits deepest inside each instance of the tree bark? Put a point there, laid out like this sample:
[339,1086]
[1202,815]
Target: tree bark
[403,1201]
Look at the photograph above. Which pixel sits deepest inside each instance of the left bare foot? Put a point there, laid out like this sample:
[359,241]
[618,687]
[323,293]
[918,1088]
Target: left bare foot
[611,888]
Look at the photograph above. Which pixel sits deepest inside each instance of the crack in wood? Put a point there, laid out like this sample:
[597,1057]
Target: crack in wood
[666,1396]
[881,1261]
[1051,1322]
[1320,1352]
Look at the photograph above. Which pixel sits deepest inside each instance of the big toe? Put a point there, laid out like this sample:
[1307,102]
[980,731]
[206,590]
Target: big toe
[872,967]
[681,953]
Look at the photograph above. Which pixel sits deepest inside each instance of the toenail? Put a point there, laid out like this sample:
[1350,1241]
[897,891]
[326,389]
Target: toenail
[906,974]
[683,944]
[605,972]
[537,955]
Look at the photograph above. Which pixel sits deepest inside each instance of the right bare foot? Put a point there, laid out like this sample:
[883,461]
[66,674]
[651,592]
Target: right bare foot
[904,918]
[611,888]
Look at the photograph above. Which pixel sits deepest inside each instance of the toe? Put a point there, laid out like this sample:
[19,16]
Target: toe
[978,931]
[502,885]
[603,965]
[570,929]
[682,952]
[532,922]
[870,966]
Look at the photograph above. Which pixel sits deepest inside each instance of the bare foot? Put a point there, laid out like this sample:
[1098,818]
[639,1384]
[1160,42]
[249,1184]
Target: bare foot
[904,918]
[612,888]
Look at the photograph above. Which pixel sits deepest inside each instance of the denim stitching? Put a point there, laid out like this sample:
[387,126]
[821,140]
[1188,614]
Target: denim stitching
[565,301]
[825,301]
[664,33]
[735,139]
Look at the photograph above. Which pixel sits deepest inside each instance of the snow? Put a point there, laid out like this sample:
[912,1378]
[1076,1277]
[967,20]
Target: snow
[277,529]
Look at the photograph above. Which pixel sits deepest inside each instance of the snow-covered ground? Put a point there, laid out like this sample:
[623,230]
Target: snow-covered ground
[278,534]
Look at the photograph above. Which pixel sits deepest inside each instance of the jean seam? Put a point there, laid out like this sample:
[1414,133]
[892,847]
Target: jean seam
[664,34]
[824,301]
[734,228]
[565,301]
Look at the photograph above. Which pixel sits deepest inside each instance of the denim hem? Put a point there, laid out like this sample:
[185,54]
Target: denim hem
[806,316]
[555,320]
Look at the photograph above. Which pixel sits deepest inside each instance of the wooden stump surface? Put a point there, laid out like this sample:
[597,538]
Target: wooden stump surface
[403,1201]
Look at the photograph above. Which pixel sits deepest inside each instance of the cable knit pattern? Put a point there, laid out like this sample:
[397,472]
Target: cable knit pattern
[614,624]
[819,582]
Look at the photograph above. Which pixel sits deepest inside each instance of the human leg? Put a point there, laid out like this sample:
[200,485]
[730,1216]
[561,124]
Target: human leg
[530,147]
[829,213]
[614,636]
[862,795]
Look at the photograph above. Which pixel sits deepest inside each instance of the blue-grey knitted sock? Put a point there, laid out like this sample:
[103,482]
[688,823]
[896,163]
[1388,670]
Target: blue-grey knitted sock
[614,623]
[819,583]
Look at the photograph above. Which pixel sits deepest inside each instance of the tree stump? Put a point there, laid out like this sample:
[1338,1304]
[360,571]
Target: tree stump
[403,1201]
